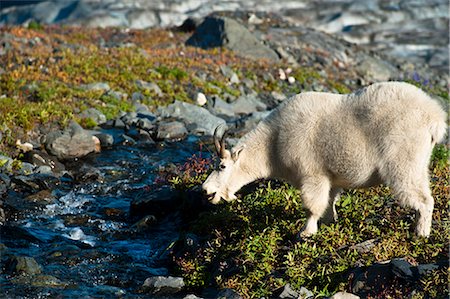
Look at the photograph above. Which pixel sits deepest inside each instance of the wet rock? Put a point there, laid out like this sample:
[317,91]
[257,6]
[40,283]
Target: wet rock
[41,158]
[98,86]
[171,130]
[106,140]
[5,182]
[228,294]
[145,223]
[42,197]
[130,118]
[228,33]
[87,173]
[163,285]
[35,182]
[119,124]
[197,119]
[74,142]
[24,265]
[93,114]
[41,280]
[344,295]
[150,86]
[157,202]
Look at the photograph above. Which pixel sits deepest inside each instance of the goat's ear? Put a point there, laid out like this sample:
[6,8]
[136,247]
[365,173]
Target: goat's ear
[236,152]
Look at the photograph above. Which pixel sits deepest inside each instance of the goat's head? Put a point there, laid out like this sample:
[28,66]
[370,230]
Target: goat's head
[228,177]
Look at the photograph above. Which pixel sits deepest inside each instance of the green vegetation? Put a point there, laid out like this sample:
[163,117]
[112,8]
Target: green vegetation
[251,245]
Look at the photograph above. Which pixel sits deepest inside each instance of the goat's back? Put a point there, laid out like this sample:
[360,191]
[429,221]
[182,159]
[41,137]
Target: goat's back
[351,137]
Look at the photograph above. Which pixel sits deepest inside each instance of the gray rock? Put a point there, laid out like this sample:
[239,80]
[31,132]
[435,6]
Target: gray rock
[71,143]
[225,32]
[248,123]
[163,285]
[5,182]
[230,74]
[5,163]
[192,296]
[344,295]
[220,107]
[93,114]
[130,118]
[374,69]
[171,130]
[365,246]
[41,158]
[150,86]
[119,124]
[247,104]
[288,293]
[99,86]
[145,124]
[108,291]
[198,119]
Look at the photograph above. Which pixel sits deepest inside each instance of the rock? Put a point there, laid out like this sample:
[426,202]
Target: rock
[375,70]
[248,104]
[230,74]
[288,293]
[344,295]
[119,124]
[93,114]
[145,124]
[145,223]
[5,163]
[150,86]
[365,246]
[403,269]
[249,122]
[99,86]
[130,118]
[192,296]
[41,158]
[71,143]
[228,294]
[5,182]
[155,202]
[24,265]
[220,107]
[171,130]
[200,99]
[35,182]
[163,285]
[106,140]
[225,32]
[197,119]
[304,293]
[43,197]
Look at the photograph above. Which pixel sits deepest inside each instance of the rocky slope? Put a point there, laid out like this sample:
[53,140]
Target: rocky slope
[413,31]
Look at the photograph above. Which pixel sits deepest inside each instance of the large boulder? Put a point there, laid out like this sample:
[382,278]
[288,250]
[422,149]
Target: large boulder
[225,32]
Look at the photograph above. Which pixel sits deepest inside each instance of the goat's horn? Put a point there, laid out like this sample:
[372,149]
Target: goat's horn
[222,144]
[217,142]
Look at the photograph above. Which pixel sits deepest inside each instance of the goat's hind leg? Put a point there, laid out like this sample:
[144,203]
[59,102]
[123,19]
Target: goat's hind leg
[315,197]
[420,199]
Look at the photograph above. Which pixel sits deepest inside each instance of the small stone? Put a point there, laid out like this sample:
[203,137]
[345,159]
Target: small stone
[200,99]
[145,124]
[291,80]
[99,86]
[163,285]
[150,86]
[94,114]
[288,293]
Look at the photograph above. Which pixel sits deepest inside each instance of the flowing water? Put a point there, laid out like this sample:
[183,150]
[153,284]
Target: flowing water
[84,236]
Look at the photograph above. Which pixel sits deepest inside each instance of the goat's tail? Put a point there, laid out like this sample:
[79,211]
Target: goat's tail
[438,130]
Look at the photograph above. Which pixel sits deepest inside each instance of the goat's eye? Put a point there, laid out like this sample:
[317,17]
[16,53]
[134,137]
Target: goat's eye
[222,167]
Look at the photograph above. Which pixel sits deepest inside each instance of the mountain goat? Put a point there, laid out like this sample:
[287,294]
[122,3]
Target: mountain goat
[322,142]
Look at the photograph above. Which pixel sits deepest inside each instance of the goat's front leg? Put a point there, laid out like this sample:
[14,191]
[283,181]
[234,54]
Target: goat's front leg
[315,197]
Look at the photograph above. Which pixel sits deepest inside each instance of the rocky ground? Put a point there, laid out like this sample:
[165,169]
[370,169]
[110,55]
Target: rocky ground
[106,136]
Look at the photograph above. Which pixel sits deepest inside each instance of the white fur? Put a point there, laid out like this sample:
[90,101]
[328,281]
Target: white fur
[323,142]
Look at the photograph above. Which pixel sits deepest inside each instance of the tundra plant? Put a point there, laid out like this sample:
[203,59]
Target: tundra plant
[322,143]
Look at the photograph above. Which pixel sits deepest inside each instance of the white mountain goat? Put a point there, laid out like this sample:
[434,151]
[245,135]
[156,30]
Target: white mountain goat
[322,142]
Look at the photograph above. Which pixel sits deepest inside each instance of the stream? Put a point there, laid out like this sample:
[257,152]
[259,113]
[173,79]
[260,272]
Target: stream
[83,239]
